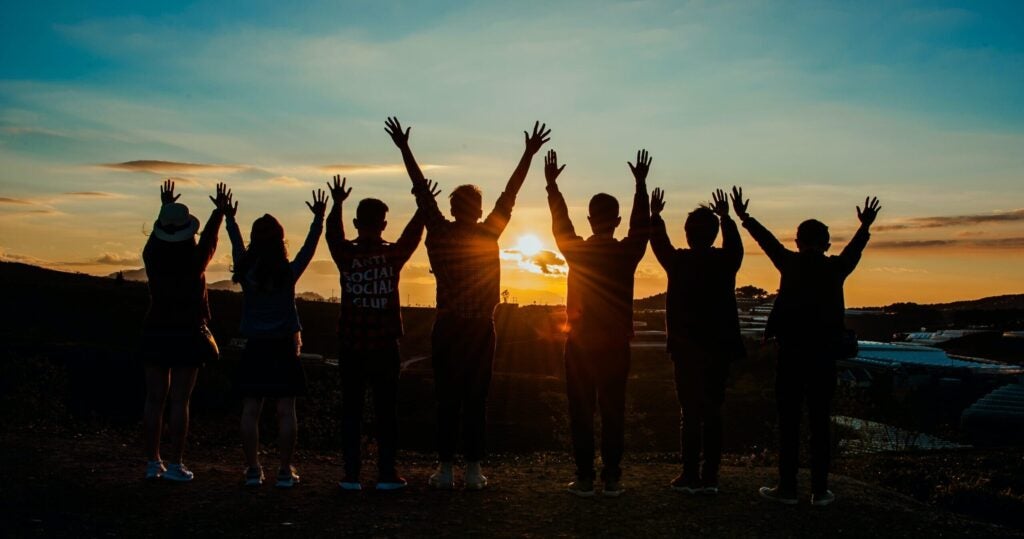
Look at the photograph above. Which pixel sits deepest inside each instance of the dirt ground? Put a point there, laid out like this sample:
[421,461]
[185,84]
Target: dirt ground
[89,485]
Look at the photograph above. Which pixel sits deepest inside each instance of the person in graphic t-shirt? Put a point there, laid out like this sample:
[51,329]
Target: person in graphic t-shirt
[369,327]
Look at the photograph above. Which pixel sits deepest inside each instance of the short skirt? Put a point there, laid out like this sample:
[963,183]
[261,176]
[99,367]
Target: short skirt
[270,368]
[178,348]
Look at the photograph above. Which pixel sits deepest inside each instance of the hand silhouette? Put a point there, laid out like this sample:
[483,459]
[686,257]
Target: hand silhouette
[394,128]
[870,211]
[319,205]
[720,203]
[223,200]
[739,204]
[432,187]
[551,168]
[338,191]
[657,202]
[167,195]
[538,138]
[642,167]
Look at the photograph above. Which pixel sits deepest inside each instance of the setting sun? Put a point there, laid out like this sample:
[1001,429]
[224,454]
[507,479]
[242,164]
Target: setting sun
[529,244]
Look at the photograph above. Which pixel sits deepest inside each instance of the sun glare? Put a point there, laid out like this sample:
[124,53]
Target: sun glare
[529,244]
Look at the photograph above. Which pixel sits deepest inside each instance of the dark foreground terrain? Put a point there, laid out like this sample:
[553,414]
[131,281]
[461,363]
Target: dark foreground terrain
[89,485]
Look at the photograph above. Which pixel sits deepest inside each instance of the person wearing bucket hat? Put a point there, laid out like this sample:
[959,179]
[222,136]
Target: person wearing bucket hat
[270,367]
[176,341]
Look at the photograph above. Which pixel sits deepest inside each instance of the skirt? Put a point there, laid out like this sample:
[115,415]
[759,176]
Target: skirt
[178,348]
[270,368]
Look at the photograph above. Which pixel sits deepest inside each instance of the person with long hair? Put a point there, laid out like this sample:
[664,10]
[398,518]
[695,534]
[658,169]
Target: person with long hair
[176,341]
[270,367]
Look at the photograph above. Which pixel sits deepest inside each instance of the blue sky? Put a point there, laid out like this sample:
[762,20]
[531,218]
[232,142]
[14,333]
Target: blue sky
[809,105]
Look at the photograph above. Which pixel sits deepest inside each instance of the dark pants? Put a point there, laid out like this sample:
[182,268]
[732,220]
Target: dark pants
[463,353]
[700,387]
[805,374]
[379,369]
[595,376]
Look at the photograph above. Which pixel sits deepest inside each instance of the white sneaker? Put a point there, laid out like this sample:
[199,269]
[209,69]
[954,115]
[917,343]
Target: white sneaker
[475,479]
[178,473]
[443,478]
[155,469]
[822,500]
[775,495]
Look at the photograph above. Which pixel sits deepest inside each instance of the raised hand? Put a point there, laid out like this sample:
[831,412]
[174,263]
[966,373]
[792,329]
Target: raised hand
[720,204]
[738,203]
[319,205]
[642,167]
[223,199]
[538,138]
[167,195]
[657,201]
[394,129]
[432,187]
[551,168]
[870,211]
[338,191]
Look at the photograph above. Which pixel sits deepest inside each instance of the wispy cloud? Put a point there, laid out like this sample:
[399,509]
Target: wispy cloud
[171,167]
[368,168]
[93,194]
[545,262]
[16,201]
[986,243]
[955,220]
[115,259]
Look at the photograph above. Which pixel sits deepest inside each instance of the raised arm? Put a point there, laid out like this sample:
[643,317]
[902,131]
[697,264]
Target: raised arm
[237,245]
[853,250]
[432,216]
[413,232]
[561,226]
[732,245]
[335,227]
[305,254]
[640,218]
[771,246]
[660,242]
[208,238]
[502,212]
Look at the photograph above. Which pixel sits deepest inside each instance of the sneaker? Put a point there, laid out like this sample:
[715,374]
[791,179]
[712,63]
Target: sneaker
[178,473]
[155,469]
[443,479]
[685,485]
[710,490]
[822,500]
[773,494]
[395,482]
[613,488]
[254,476]
[584,488]
[350,483]
[475,479]
[287,478]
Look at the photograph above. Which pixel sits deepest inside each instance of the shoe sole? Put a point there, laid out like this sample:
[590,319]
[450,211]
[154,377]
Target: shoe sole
[176,479]
[581,493]
[391,486]
[442,486]
[823,503]
[350,487]
[687,490]
[613,493]
[783,501]
[285,484]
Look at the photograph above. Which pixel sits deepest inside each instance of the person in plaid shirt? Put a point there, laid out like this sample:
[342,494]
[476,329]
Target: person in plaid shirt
[369,327]
[464,257]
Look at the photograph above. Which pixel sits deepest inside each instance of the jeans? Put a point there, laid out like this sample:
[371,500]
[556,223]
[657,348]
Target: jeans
[700,386]
[379,369]
[804,375]
[463,354]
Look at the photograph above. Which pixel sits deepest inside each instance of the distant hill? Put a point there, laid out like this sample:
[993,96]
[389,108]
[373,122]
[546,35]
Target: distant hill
[1009,301]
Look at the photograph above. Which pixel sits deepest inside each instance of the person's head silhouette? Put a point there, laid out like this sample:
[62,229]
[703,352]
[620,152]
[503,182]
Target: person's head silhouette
[371,218]
[265,262]
[467,203]
[812,237]
[701,228]
[604,214]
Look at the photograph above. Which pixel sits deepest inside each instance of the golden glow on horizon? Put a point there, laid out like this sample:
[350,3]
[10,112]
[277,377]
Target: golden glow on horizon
[529,244]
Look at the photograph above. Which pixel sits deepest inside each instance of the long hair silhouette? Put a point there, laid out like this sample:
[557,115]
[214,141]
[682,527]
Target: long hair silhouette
[265,263]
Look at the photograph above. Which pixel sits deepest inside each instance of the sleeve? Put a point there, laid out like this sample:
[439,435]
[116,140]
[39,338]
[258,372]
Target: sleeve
[305,254]
[426,206]
[660,243]
[335,234]
[561,226]
[732,245]
[639,223]
[771,246]
[409,240]
[850,256]
[237,245]
[208,239]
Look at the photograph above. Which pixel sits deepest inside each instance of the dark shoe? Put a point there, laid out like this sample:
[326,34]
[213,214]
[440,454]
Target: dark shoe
[584,488]
[685,485]
[777,496]
[613,488]
[350,483]
[254,476]
[393,482]
[287,478]
[824,499]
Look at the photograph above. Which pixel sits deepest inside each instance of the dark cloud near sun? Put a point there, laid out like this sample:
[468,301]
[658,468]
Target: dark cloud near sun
[955,220]
[548,262]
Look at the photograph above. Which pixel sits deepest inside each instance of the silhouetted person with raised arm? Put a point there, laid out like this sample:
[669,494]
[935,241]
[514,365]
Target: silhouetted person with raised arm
[175,340]
[464,258]
[703,330]
[270,367]
[807,320]
[369,328]
[599,309]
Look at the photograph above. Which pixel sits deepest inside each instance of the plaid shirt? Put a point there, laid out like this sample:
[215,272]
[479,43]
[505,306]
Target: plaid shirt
[464,257]
[371,316]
